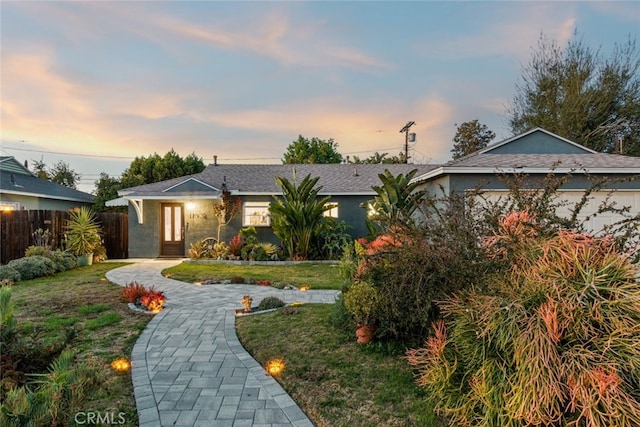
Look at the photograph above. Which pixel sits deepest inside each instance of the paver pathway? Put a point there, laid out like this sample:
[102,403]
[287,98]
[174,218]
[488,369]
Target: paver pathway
[188,367]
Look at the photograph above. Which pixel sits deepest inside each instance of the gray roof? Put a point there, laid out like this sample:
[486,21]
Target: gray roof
[260,179]
[29,185]
[578,161]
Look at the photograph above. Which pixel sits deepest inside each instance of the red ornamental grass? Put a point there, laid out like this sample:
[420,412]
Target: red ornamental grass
[133,291]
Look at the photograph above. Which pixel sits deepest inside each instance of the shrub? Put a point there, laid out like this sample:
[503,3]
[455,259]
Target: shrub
[9,273]
[133,292]
[553,342]
[237,279]
[198,250]
[153,300]
[235,245]
[363,302]
[63,260]
[219,250]
[269,303]
[32,267]
[340,317]
[37,250]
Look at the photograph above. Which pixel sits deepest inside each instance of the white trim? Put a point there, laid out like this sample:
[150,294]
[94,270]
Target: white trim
[138,206]
[513,138]
[191,179]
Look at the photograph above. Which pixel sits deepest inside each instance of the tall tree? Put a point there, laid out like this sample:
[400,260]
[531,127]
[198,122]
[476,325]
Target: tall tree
[470,136]
[146,170]
[106,189]
[578,94]
[312,150]
[61,173]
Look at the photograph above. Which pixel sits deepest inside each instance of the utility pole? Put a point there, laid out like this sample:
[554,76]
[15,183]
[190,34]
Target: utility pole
[405,129]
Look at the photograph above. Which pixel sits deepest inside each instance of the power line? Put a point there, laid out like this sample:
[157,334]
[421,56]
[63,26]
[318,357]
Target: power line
[67,154]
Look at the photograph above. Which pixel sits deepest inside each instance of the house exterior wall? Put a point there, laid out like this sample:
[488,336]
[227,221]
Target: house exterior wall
[538,143]
[199,222]
[30,203]
[462,182]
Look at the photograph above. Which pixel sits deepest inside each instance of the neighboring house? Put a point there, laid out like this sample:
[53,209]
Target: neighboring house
[537,153]
[20,189]
[166,217]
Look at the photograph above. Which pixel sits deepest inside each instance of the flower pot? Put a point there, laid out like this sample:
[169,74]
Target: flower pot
[86,259]
[365,334]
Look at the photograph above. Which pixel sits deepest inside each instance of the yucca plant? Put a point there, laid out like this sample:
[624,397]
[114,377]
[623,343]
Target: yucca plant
[297,216]
[82,232]
[554,340]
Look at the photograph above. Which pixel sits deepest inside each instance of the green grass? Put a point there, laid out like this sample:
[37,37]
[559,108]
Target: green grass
[106,319]
[83,309]
[334,380]
[93,308]
[316,275]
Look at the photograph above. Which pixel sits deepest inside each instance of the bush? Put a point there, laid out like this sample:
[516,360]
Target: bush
[9,273]
[554,341]
[133,292]
[237,279]
[340,317]
[269,303]
[37,250]
[32,267]
[63,260]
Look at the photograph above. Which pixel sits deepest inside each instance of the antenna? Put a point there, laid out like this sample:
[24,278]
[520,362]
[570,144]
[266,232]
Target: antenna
[405,129]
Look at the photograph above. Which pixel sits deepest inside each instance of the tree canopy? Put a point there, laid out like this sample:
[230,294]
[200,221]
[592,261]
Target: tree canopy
[146,170]
[578,94]
[61,173]
[471,136]
[377,158]
[314,150]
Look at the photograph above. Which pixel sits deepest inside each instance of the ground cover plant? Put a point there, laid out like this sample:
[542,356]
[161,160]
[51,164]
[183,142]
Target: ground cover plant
[316,275]
[78,311]
[333,379]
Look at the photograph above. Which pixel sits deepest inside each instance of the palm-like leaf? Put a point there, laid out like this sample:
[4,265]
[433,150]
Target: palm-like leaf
[296,217]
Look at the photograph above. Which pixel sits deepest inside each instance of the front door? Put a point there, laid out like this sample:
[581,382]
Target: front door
[172,225]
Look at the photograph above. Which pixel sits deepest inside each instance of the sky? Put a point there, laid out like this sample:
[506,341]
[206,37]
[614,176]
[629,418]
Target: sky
[96,84]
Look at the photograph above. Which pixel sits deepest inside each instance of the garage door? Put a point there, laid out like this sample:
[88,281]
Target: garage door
[593,225]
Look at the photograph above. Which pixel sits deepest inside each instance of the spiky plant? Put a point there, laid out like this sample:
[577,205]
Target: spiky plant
[555,340]
[297,216]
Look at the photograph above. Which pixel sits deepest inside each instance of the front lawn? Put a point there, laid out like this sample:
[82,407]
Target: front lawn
[81,310]
[334,380]
[316,275]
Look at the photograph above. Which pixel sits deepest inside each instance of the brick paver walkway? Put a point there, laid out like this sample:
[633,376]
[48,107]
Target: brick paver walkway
[188,367]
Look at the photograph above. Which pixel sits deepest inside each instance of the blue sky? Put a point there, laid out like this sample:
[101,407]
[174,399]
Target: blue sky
[98,83]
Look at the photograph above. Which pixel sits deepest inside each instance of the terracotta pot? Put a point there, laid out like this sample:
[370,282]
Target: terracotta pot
[365,334]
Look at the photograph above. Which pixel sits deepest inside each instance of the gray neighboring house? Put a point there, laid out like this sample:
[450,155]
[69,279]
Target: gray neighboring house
[166,217]
[537,153]
[20,189]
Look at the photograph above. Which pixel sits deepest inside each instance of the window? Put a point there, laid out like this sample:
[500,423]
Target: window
[333,212]
[256,214]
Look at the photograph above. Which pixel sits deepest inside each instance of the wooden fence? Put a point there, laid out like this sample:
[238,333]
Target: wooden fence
[17,227]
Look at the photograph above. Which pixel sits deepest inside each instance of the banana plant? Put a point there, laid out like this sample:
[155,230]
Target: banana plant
[396,201]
